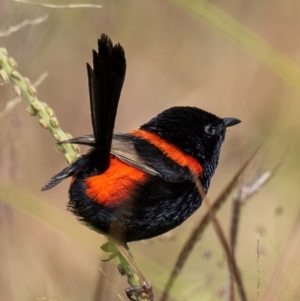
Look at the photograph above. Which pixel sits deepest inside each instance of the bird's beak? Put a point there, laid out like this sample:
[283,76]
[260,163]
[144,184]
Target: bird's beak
[230,121]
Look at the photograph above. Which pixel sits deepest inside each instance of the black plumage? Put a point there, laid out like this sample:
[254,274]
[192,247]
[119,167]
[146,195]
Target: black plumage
[139,185]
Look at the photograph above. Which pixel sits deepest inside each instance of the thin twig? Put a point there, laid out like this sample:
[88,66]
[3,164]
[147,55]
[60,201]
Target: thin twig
[9,106]
[230,259]
[199,229]
[247,191]
[26,22]
[49,5]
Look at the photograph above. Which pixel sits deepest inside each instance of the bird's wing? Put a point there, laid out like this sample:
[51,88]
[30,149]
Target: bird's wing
[141,154]
[123,147]
[134,151]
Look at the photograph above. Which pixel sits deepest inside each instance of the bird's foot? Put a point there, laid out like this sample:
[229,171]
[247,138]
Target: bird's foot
[144,291]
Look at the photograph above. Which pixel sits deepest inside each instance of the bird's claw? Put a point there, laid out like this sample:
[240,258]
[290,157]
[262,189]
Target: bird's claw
[143,291]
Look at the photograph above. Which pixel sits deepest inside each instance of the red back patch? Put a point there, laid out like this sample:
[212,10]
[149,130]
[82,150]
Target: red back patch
[116,184]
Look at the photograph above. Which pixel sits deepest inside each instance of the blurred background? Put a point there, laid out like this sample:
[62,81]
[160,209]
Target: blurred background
[235,59]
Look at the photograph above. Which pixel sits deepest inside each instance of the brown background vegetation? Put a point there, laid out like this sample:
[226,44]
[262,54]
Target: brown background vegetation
[174,58]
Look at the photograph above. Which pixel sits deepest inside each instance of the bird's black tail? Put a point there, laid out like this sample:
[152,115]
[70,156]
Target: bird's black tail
[105,84]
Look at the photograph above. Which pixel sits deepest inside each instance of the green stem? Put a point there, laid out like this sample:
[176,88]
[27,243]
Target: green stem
[23,88]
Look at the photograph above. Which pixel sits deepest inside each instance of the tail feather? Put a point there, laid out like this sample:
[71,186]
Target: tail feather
[105,85]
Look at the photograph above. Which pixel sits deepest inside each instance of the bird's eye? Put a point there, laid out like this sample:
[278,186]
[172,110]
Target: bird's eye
[212,130]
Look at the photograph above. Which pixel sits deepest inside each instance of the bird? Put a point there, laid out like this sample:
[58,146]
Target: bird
[138,185]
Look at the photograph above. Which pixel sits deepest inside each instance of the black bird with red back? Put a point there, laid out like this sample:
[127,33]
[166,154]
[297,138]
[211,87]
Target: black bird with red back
[140,184]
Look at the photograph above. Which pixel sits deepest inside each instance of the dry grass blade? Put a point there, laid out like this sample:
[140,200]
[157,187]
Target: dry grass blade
[26,22]
[61,222]
[244,38]
[280,280]
[199,229]
[244,193]
[49,5]
[258,267]
[25,89]
[110,284]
